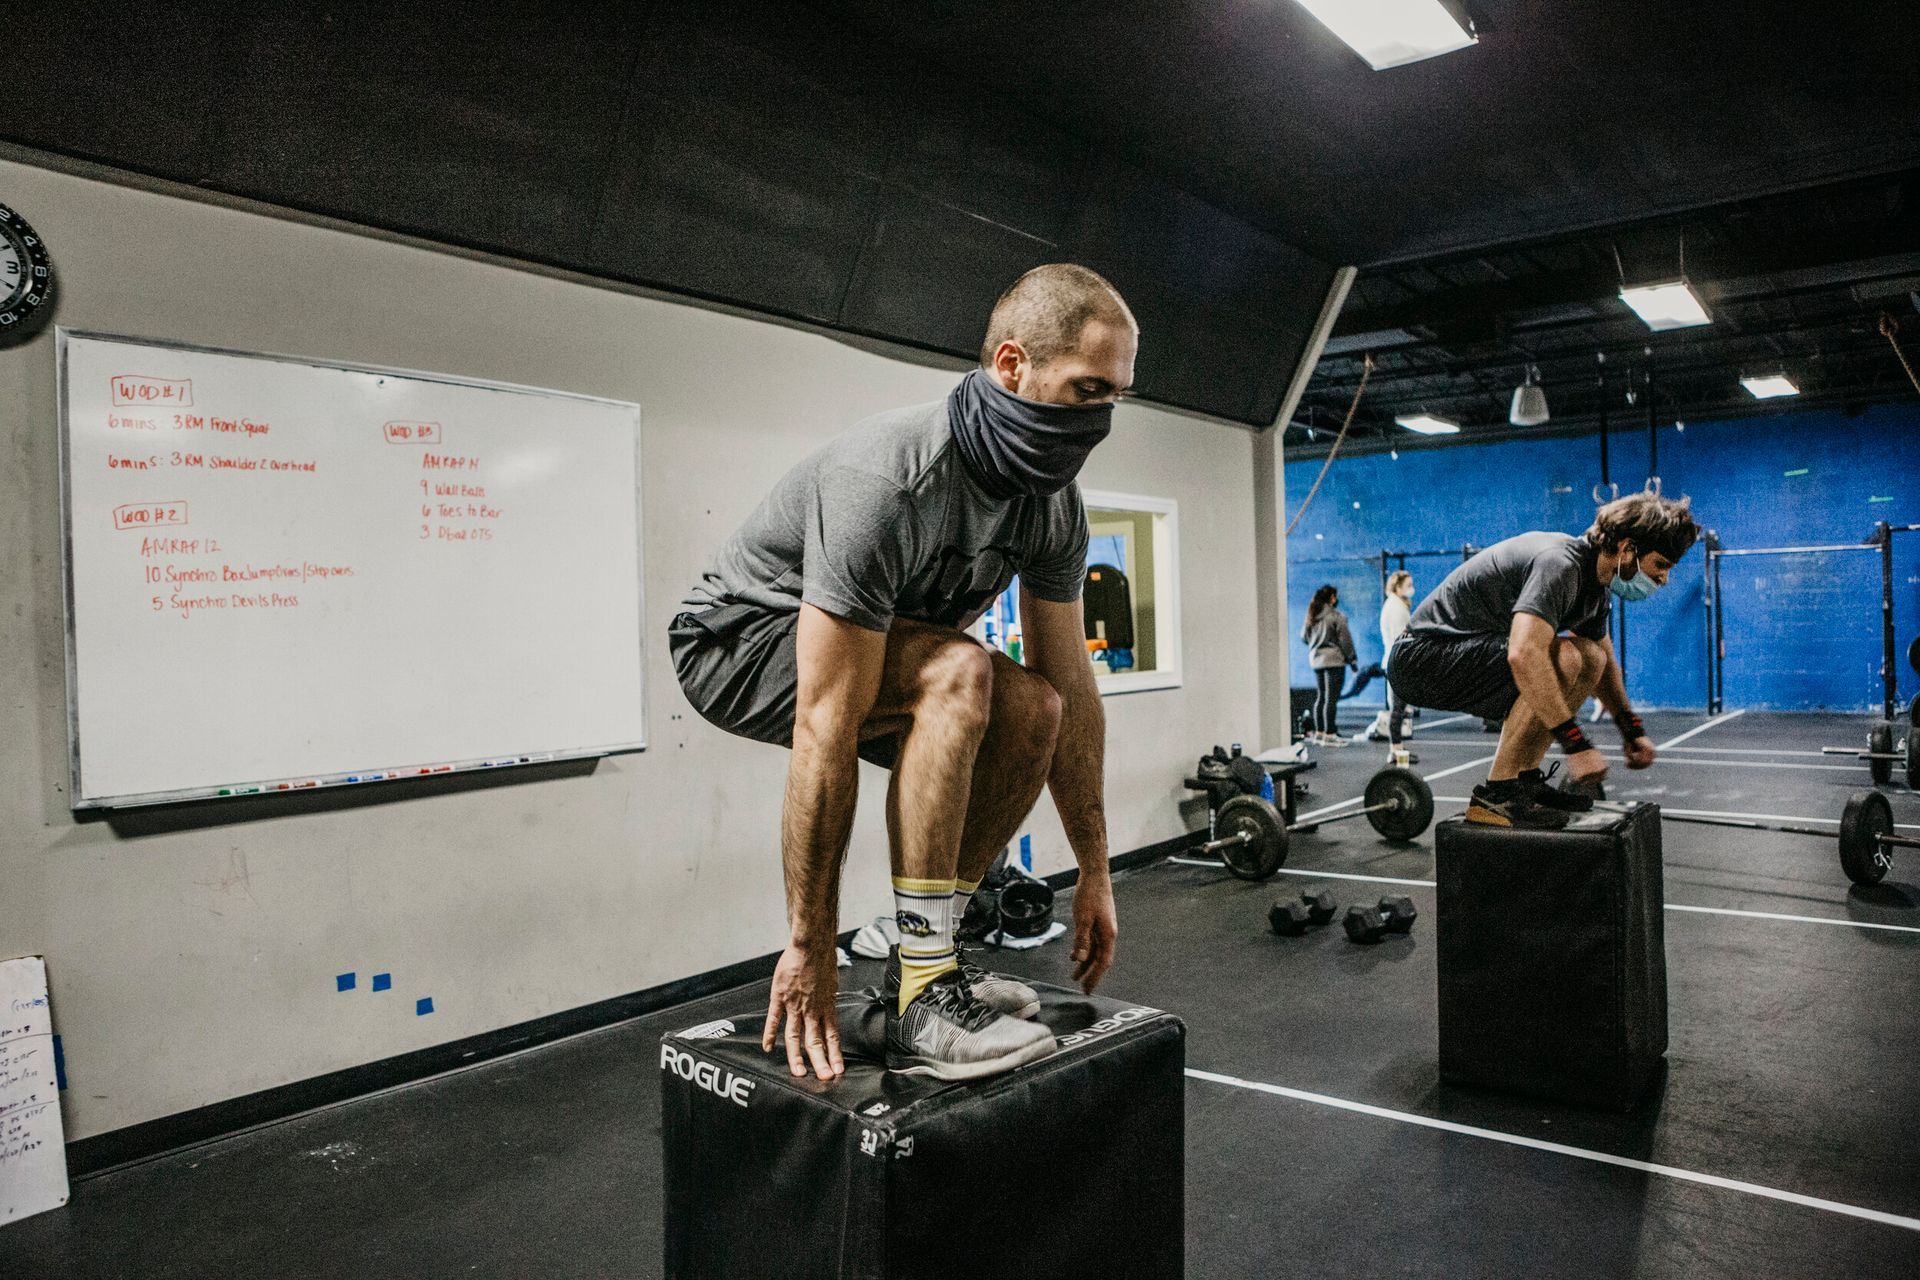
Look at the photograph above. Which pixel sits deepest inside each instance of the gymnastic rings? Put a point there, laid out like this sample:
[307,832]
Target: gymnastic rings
[1653,485]
[1605,493]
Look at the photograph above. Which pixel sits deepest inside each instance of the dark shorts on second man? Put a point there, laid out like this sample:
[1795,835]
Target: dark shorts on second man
[1467,674]
[740,668]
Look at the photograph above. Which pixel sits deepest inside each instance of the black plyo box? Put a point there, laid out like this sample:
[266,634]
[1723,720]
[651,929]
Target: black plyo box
[1552,956]
[1072,1166]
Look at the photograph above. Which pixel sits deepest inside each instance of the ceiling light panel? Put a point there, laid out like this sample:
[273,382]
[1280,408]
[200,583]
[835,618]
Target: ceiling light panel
[1666,306]
[1770,385]
[1427,425]
[1392,33]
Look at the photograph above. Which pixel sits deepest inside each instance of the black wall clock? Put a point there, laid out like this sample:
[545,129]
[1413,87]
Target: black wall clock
[26,276]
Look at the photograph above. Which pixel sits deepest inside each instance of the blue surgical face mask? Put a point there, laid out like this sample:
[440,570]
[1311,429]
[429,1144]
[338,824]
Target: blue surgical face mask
[1638,587]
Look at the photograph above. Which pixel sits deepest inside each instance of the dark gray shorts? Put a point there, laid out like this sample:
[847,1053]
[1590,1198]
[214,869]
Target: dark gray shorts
[739,667]
[1454,673]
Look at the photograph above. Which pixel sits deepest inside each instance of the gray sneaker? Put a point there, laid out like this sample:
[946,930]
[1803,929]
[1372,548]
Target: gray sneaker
[949,1034]
[1003,994]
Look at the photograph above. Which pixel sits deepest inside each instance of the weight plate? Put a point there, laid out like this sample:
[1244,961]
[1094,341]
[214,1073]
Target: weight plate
[1880,743]
[1913,711]
[1246,771]
[1262,854]
[1913,654]
[1867,815]
[1410,800]
[1913,759]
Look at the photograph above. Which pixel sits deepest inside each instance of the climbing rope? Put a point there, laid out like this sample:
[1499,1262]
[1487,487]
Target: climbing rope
[1366,372]
[1889,327]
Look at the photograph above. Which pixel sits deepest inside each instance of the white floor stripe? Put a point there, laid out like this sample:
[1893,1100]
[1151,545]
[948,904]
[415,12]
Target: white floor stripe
[1614,755]
[1702,728]
[1671,906]
[1459,768]
[1581,1153]
[1303,818]
[1344,875]
[1711,813]
[1760,817]
[1770,915]
[1748,751]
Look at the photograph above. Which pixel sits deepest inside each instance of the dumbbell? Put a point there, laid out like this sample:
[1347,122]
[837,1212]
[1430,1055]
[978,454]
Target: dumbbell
[1290,919]
[1371,924]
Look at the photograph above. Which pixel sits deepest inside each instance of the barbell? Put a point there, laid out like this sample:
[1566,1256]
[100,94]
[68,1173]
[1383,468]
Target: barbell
[1867,839]
[1883,752]
[1250,836]
[1866,834]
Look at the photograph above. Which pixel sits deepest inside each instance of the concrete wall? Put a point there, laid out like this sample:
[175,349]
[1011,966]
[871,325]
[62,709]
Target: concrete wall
[196,963]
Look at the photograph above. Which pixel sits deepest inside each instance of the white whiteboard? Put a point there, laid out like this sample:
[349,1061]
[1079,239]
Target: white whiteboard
[284,573]
[33,1152]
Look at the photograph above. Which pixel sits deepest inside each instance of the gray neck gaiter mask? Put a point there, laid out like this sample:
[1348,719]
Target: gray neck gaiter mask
[1014,446]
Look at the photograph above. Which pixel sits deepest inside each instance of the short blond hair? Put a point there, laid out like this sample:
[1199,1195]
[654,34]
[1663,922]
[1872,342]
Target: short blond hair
[1395,578]
[1046,309]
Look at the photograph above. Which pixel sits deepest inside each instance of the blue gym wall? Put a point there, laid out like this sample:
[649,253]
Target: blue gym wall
[1802,631]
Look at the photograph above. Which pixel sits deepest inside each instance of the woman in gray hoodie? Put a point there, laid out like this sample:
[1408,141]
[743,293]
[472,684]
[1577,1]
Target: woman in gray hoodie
[1329,652]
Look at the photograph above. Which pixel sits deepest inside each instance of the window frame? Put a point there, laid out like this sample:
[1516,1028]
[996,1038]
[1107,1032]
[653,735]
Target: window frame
[1165,551]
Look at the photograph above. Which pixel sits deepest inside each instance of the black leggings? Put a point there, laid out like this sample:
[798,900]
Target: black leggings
[1396,717]
[1326,707]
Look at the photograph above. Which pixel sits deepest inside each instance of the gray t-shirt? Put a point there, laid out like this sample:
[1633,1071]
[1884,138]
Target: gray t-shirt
[886,521]
[1549,575]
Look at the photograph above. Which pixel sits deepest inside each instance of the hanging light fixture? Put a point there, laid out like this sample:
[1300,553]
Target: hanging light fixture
[1529,401]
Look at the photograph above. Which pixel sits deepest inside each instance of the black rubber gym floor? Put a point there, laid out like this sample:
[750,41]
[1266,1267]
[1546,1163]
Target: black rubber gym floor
[1778,1142]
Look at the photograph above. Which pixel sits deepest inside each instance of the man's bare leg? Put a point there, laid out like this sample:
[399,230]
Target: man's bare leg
[1524,738]
[936,696]
[1012,766]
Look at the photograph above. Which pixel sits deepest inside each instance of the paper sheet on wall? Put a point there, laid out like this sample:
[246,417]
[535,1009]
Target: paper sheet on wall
[33,1151]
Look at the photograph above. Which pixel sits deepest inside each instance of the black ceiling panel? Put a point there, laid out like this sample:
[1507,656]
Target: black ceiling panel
[116,80]
[931,272]
[488,132]
[1565,116]
[767,156]
[994,161]
[750,162]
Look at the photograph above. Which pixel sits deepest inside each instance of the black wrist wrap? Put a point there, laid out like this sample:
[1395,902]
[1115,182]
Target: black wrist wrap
[1570,737]
[1630,726]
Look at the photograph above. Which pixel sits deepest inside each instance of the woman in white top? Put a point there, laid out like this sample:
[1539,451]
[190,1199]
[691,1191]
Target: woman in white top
[1391,722]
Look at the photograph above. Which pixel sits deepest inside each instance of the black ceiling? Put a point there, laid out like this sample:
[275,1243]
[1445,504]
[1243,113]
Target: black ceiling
[751,154]
[1794,284]
[886,168]
[1568,114]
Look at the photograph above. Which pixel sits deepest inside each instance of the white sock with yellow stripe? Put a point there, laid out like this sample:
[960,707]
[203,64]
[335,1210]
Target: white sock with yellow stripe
[923,910]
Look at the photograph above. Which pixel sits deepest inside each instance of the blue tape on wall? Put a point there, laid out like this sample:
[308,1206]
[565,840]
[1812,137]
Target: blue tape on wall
[382,981]
[344,982]
[423,1006]
[1026,852]
[59,1064]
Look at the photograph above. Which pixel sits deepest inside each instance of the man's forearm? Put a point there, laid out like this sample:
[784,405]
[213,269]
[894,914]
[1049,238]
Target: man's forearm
[823,782]
[1078,777]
